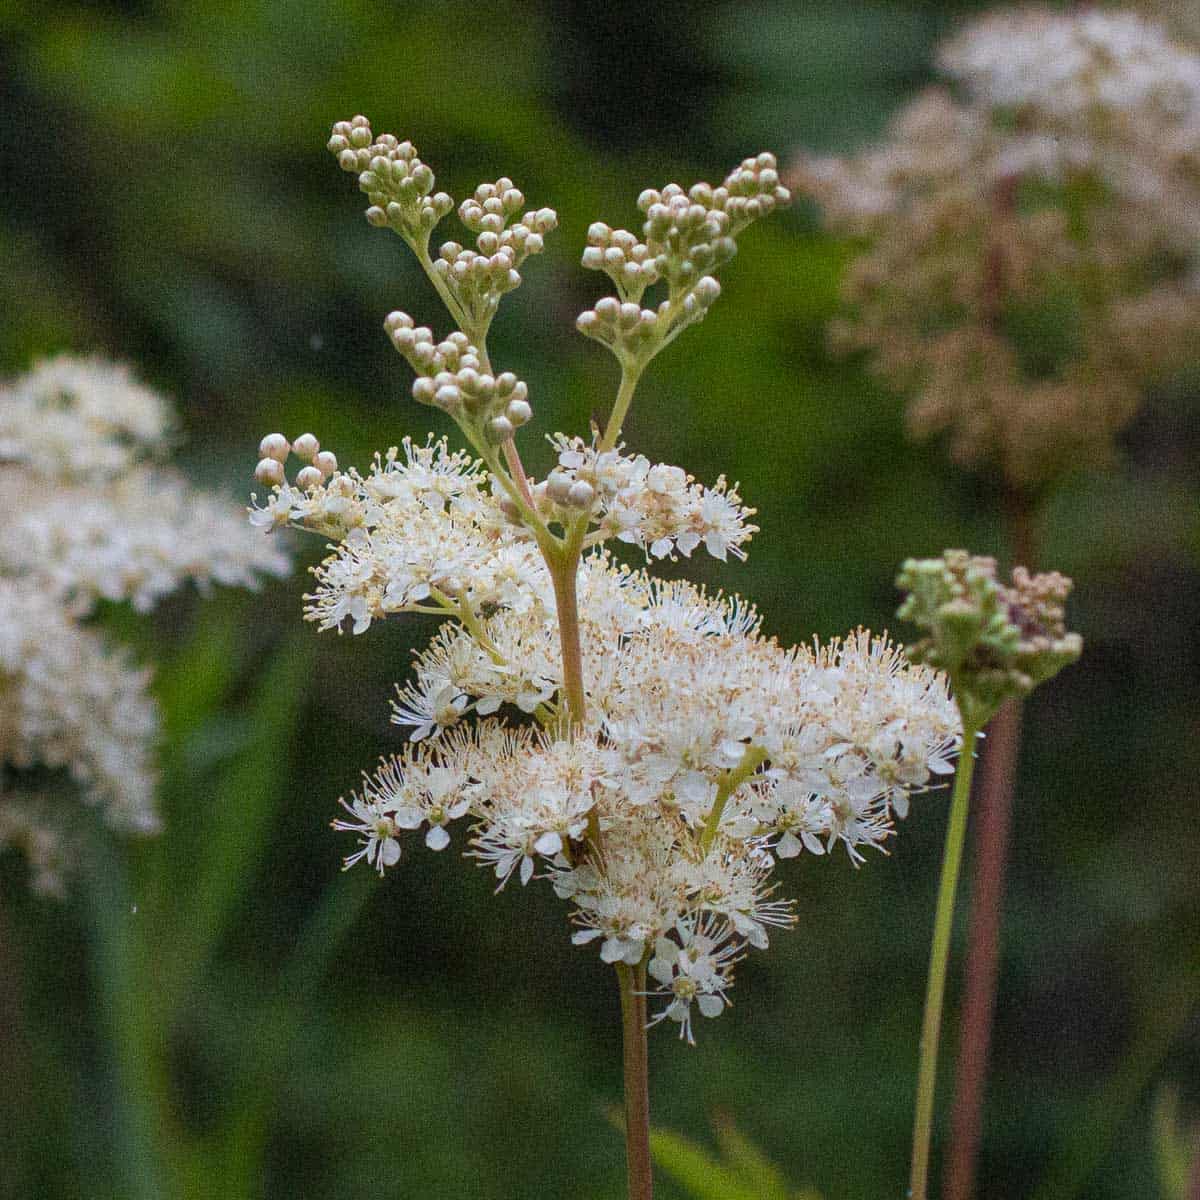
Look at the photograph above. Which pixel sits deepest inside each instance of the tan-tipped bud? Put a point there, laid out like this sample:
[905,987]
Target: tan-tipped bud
[308,478]
[275,446]
[269,471]
[519,412]
[325,462]
[305,447]
[581,494]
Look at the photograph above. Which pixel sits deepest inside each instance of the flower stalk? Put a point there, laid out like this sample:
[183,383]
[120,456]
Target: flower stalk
[939,958]
[632,981]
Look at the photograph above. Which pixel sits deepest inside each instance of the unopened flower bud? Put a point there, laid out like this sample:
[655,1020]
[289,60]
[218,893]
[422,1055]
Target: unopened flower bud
[275,446]
[558,486]
[707,290]
[269,471]
[581,494]
[325,462]
[519,412]
[308,478]
[305,447]
[424,390]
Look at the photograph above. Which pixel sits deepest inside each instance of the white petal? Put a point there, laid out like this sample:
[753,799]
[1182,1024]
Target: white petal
[613,950]
[437,838]
[389,852]
[526,870]
[710,1006]
[789,846]
[549,844]
[583,936]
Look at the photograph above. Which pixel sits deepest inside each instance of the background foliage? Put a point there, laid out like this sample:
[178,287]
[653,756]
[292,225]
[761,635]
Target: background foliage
[220,1013]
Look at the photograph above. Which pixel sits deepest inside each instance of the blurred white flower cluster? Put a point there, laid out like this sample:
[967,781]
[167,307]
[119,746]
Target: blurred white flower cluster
[640,745]
[90,518]
[1033,233]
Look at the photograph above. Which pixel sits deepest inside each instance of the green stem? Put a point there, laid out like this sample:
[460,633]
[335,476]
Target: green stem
[632,981]
[630,374]
[754,758]
[564,573]
[938,959]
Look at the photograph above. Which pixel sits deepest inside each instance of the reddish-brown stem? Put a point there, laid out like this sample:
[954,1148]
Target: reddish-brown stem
[1193,1183]
[992,811]
[637,1082]
[513,458]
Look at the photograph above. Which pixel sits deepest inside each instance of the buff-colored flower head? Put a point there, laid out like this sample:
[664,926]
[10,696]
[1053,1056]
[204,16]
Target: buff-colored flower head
[993,640]
[91,514]
[1030,261]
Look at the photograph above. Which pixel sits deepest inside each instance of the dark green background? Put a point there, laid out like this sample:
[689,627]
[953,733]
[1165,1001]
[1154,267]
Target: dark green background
[221,1013]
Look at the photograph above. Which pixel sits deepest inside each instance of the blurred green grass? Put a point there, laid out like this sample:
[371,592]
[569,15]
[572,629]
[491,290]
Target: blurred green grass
[261,1025]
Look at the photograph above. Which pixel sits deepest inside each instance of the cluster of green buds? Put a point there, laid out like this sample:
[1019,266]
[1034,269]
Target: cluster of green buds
[994,640]
[274,451]
[398,185]
[686,237]
[452,376]
[400,189]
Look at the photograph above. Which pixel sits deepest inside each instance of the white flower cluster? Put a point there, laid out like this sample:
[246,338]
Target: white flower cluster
[423,531]
[655,506]
[711,750]
[1080,67]
[89,514]
[420,530]
[89,518]
[663,753]
[68,703]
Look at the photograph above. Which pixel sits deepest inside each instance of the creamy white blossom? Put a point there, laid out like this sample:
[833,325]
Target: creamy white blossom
[91,513]
[641,746]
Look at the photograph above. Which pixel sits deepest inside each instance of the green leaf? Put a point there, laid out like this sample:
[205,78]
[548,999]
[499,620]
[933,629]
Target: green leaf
[701,1175]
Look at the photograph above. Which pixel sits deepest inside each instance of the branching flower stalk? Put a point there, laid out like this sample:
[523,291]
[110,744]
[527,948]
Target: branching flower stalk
[638,744]
[996,642]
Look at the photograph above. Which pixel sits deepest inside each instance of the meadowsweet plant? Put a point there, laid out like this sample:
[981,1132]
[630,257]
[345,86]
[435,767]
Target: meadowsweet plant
[639,746]
[92,513]
[995,641]
[1031,238]
[1025,270]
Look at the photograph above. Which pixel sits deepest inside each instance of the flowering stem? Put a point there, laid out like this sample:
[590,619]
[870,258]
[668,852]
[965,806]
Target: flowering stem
[938,960]
[632,981]
[993,817]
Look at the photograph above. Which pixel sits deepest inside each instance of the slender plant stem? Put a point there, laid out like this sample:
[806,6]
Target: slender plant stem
[564,572]
[632,981]
[938,959]
[993,807]
[993,818]
[630,374]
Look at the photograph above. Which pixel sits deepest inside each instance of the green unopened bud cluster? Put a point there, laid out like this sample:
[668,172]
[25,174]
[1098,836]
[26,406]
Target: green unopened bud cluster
[994,640]
[687,236]
[451,376]
[398,185]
